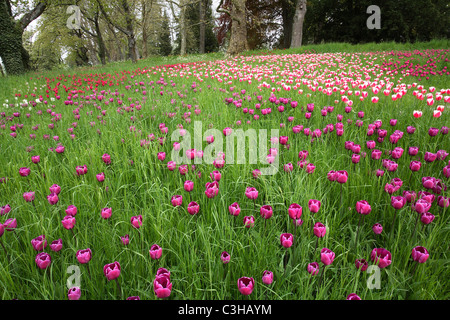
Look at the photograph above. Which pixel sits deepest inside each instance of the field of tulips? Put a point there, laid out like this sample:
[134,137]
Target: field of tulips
[93,204]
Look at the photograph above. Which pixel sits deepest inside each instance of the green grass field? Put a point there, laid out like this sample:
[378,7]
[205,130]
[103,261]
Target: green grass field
[137,98]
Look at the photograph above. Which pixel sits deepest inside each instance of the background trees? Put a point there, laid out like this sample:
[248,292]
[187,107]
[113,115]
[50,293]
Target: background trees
[34,34]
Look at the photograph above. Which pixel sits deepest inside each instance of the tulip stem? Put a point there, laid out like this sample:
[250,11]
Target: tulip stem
[357,232]
[393,222]
[415,267]
[415,227]
[118,288]
[321,275]
[6,252]
[315,248]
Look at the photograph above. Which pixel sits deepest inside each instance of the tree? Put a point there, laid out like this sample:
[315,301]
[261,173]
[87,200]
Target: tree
[297,25]
[237,12]
[14,56]
[165,46]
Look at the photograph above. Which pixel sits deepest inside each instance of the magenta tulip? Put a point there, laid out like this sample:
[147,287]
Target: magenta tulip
[420,254]
[68,222]
[225,257]
[363,207]
[314,205]
[234,209]
[136,221]
[39,243]
[106,213]
[74,293]
[361,264]
[313,268]
[267,277]
[381,257]
[84,256]
[246,285]
[43,260]
[319,230]
[251,193]
[155,252]
[193,208]
[377,228]
[112,270]
[176,200]
[249,221]
[71,210]
[56,245]
[295,211]
[266,211]
[327,256]
[162,286]
[286,240]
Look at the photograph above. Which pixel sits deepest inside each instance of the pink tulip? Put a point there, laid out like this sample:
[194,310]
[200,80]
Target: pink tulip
[106,213]
[100,177]
[234,209]
[136,221]
[84,256]
[162,286]
[193,208]
[10,224]
[74,293]
[266,211]
[377,228]
[313,268]
[112,270]
[267,277]
[286,240]
[53,198]
[225,257]
[420,254]
[176,200]
[28,196]
[106,158]
[249,221]
[251,193]
[327,256]
[363,207]
[125,239]
[246,285]
[56,245]
[5,210]
[353,296]
[43,260]
[24,172]
[55,189]
[361,264]
[319,230]
[71,210]
[39,243]
[68,222]
[295,211]
[381,257]
[155,252]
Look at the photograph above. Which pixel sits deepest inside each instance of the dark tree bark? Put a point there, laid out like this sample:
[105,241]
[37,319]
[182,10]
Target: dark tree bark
[238,39]
[297,26]
[287,14]
[202,35]
[14,56]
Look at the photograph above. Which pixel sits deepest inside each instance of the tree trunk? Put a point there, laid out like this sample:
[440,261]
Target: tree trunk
[287,13]
[201,48]
[133,52]
[297,26]
[100,42]
[183,31]
[14,56]
[238,40]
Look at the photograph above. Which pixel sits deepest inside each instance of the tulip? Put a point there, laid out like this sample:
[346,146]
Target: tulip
[162,286]
[313,268]
[43,260]
[414,166]
[155,252]
[136,221]
[381,257]
[125,239]
[363,207]
[286,240]
[267,277]
[112,270]
[353,296]
[55,189]
[420,254]
[56,245]
[84,256]
[234,209]
[28,196]
[426,218]
[249,221]
[5,210]
[398,202]
[266,211]
[326,256]
[193,208]
[10,224]
[342,176]
[74,293]
[176,200]
[106,213]
[68,222]
[246,285]
[251,193]
[71,210]
[422,206]
[295,211]
[100,177]
[225,257]
[106,158]
[361,264]
[319,230]
[53,198]
[314,205]
[39,243]
[377,228]
[24,172]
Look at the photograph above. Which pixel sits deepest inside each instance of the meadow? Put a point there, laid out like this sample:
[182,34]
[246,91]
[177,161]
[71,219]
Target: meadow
[358,207]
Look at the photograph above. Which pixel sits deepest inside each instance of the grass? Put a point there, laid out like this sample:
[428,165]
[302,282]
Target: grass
[139,184]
